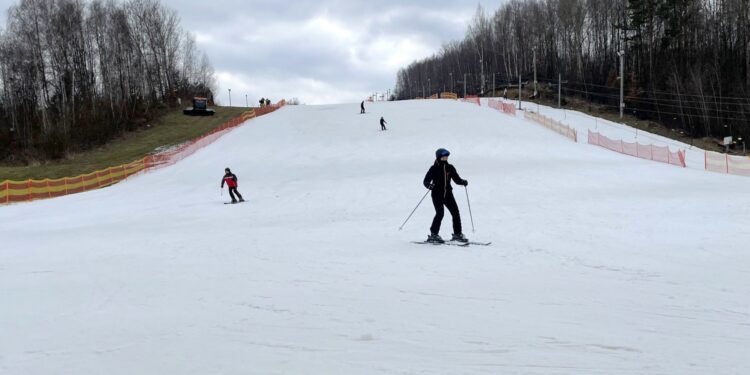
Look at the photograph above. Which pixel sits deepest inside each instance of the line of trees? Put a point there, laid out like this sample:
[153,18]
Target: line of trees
[74,73]
[687,62]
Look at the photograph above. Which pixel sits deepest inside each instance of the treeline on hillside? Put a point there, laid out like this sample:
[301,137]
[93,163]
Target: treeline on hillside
[687,62]
[74,74]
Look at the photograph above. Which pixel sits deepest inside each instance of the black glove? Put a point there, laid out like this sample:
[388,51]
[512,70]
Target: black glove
[465,183]
[430,186]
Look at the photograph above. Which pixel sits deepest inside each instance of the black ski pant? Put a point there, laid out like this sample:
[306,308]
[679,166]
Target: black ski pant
[232,192]
[382,127]
[447,200]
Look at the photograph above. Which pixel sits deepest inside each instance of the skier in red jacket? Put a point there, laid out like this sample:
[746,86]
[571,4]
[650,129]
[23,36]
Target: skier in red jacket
[231,180]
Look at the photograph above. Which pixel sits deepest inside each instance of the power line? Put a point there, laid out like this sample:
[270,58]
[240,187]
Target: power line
[662,112]
[746,100]
[647,101]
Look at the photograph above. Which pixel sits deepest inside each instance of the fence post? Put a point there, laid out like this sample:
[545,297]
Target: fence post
[705,160]
[727,162]
[28,189]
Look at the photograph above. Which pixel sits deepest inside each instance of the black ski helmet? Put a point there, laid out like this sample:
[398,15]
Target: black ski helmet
[227,170]
[441,152]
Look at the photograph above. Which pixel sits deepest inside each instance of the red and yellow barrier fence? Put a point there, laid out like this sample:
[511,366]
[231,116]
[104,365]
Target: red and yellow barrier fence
[21,191]
[448,95]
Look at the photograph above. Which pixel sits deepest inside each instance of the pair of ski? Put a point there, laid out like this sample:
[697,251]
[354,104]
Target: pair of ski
[453,243]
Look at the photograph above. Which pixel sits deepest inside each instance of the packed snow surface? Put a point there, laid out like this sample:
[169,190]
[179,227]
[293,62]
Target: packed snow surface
[601,263]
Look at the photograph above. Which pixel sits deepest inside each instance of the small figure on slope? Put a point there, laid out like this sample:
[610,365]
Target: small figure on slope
[231,180]
[362,107]
[438,179]
[382,123]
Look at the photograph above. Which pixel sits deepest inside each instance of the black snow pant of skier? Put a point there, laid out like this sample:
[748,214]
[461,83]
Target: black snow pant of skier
[232,192]
[382,126]
[448,201]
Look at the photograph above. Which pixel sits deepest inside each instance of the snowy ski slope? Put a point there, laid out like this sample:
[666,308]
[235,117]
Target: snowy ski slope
[601,263]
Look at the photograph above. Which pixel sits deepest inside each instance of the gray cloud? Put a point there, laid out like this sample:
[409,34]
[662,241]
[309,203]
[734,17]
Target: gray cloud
[323,51]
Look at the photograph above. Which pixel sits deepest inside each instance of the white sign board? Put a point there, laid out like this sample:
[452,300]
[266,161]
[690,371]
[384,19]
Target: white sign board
[727,140]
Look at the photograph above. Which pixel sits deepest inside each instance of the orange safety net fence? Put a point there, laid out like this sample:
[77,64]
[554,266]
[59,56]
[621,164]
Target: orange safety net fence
[472,99]
[553,125]
[21,191]
[649,152]
[724,163]
[507,108]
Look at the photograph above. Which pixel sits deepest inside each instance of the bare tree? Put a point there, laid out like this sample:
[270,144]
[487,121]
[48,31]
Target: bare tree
[687,61]
[73,74]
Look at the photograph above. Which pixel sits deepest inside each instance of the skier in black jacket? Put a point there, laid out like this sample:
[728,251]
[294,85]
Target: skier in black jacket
[382,123]
[438,179]
[362,107]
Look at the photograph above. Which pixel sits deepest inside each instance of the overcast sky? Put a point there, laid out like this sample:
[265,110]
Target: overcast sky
[324,51]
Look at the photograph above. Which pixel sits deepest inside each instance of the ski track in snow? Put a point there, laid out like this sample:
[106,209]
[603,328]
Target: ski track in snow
[600,264]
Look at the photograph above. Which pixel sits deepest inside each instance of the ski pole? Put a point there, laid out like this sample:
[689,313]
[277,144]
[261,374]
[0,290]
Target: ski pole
[412,211]
[469,203]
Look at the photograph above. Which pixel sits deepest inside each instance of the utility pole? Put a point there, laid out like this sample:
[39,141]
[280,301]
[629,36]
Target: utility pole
[534,72]
[481,76]
[493,84]
[519,92]
[464,85]
[429,86]
[622,83]
[559,90]
[230,97]
[451,75]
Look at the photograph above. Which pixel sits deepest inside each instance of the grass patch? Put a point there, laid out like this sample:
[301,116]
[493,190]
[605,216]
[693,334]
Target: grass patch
[172,129]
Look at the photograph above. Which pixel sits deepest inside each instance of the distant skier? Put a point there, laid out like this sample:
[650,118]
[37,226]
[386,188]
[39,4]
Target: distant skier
[262,101]
[268,102]
[438,179]
[382,124]
[362,107]
[231,180]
